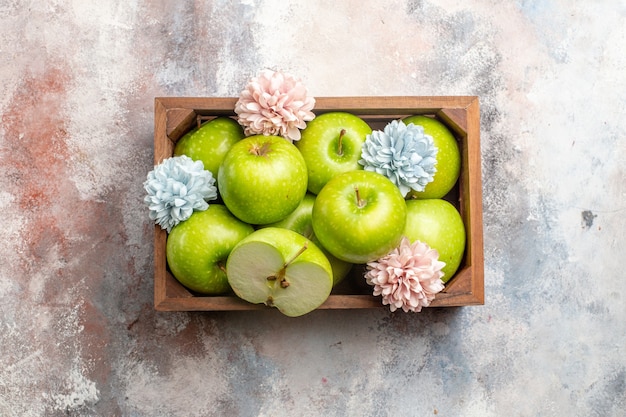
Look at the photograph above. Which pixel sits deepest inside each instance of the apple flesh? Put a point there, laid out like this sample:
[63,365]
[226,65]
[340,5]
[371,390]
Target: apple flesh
[280,268]
[331,144]
[197,249]
[448,157]
[300,221]
[437,223]
[210,142]
[359,216]
[262,179]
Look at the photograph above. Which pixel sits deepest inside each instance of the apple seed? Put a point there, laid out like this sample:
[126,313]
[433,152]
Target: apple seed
[281,274]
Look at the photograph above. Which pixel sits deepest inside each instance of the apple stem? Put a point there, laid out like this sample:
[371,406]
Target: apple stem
[260,150]
[281,274]
[293,258]
[340,144]
[359,201]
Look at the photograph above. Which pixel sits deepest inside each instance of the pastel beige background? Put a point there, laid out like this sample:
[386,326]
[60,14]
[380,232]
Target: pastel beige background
[78,333]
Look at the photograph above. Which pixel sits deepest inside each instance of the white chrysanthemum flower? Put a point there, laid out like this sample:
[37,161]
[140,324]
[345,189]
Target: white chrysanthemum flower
[176,187]
[402,153]
[408,277]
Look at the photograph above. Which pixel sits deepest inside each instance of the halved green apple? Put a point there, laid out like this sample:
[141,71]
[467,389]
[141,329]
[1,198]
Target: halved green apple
[280,268]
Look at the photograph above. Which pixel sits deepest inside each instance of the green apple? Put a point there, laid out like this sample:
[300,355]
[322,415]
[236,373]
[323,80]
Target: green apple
[331,144]
[262,179]
[448,157]
[300,221]
[197,248]
[437,223]
[280,268]
[210,142]
[359,216]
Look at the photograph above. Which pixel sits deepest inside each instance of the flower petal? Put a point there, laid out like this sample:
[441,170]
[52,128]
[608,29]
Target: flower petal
[403,153]
[274,103]
[176,187]
[408,277]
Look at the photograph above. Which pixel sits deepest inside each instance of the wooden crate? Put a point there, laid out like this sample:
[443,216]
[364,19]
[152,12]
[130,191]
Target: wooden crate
[175,116]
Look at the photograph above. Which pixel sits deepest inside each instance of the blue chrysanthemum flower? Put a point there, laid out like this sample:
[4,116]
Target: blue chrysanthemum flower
[176,187]
[402,153]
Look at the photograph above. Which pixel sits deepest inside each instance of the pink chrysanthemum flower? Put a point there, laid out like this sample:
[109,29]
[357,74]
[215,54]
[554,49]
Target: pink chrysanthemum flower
[274,103]
[408,277]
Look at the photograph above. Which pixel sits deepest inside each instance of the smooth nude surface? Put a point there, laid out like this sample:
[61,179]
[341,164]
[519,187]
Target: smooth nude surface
[79,335]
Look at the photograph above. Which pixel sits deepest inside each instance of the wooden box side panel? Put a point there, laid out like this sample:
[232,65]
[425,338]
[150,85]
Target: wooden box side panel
[473,207]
